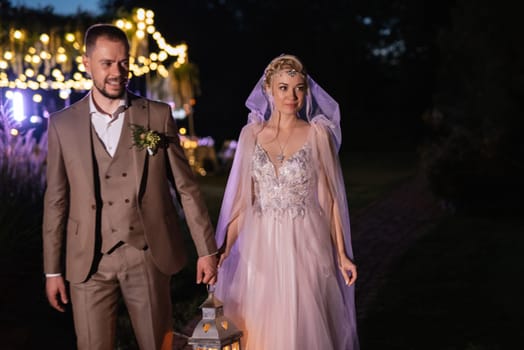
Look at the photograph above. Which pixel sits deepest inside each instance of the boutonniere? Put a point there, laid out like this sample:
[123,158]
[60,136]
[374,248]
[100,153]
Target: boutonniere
[145,138]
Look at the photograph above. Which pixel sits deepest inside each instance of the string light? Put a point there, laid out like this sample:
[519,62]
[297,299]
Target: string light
[35,65]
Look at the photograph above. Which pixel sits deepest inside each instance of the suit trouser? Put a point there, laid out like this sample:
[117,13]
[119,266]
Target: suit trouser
[131,274]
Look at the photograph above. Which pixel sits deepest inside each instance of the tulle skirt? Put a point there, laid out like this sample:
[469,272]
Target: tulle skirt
[280,286]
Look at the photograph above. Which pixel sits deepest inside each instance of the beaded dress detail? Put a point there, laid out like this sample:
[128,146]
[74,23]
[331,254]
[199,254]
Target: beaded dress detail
[287,191]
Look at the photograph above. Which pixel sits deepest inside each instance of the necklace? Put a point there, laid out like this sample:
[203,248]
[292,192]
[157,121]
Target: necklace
[280,157]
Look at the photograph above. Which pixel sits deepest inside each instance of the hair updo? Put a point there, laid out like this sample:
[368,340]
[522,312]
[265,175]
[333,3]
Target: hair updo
[280,63]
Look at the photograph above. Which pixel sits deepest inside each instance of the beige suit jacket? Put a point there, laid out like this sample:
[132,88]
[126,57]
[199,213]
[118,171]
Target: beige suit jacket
[69,203]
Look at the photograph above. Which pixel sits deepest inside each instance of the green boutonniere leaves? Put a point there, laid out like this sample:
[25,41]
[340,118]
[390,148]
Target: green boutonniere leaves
[145,138]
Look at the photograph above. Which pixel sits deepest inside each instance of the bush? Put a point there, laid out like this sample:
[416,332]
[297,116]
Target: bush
[22,181]
[474,156]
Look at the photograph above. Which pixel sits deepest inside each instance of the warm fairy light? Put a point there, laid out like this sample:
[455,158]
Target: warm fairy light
[64,94]
[44,38]
[18,34]
[162,55]
[164,73]
[141,14]
[140,34]
[33,85]
[39,64]
[37,98]
[70,37]
[56,73]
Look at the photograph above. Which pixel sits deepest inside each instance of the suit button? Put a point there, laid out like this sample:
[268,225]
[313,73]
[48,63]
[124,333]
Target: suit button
[93,206]
[110,203]
[108,177]
[131,228]
[113,230]
[124,174]
[126,200]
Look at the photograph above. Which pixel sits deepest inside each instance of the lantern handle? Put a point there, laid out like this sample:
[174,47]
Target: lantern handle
[210,289]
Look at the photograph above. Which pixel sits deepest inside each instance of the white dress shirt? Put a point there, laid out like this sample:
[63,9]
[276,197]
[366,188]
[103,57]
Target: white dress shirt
[108,127]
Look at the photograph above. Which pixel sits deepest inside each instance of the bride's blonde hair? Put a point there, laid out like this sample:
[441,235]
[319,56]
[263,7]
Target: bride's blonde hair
[288,63]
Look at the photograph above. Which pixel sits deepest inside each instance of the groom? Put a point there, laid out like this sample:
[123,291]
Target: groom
[110,224]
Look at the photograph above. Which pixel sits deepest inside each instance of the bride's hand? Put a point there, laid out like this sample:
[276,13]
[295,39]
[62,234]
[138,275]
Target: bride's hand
[348,270]
[223,253]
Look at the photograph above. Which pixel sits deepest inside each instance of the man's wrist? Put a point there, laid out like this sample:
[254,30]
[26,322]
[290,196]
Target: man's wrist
[215,253]
[52,275]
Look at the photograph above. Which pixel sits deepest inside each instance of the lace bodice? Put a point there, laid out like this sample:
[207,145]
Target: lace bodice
[287,189]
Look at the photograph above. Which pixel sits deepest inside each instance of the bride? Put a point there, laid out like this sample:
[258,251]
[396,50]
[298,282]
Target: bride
[286,274]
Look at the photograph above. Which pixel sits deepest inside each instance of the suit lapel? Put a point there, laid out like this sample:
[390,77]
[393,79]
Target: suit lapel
[81,136]
[138,114]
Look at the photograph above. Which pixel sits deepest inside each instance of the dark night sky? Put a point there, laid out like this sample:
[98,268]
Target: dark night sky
[380,104]
[341,42]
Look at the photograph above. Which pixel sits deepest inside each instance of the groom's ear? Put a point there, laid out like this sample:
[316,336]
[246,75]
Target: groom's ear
[87,64]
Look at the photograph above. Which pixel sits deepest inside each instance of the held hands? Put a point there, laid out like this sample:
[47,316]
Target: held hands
[207,269]
[56,292]
[348,269]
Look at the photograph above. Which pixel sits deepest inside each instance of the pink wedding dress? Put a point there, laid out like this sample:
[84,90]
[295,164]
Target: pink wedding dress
[280,283]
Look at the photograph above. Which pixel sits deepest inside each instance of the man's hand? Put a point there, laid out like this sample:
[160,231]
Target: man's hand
[56,292]
[207,269]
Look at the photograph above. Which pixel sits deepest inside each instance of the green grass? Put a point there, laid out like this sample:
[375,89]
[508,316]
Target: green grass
[458,288]
[369,175]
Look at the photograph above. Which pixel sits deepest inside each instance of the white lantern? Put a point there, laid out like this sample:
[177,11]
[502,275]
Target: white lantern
[215,331]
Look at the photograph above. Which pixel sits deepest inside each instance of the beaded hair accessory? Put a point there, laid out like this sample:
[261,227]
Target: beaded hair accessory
[292,72]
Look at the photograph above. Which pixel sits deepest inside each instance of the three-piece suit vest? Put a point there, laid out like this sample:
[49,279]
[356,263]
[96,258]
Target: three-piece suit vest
[117,185]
